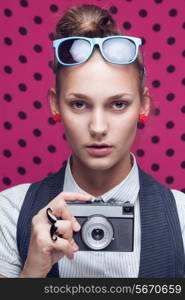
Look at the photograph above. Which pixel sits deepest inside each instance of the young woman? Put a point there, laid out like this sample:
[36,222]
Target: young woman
[100,95]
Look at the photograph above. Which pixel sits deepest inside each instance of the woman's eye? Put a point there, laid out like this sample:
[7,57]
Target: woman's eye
[119,105]
[78,105]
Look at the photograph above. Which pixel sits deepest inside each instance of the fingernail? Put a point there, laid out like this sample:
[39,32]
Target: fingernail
[75,247]
[76,226]
[71,256]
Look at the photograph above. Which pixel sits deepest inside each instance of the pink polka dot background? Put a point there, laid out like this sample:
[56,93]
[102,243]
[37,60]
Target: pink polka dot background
[32,144]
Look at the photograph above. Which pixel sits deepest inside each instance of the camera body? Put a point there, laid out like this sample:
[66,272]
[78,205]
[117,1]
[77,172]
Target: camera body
[104,226]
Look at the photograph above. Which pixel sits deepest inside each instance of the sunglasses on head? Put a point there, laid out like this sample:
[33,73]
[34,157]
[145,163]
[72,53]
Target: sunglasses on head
[119,49]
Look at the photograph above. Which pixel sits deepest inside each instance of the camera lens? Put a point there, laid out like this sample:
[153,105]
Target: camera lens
[97,234]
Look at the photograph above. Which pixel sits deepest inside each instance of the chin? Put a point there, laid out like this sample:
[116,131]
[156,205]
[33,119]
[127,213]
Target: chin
[99,164]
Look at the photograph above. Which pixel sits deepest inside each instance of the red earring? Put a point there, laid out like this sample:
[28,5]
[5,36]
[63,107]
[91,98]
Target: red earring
[142,118]
[57,117]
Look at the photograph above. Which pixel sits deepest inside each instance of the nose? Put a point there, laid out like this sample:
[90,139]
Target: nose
[98,125]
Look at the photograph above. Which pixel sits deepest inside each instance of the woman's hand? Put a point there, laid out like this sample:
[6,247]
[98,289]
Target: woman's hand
[43,251]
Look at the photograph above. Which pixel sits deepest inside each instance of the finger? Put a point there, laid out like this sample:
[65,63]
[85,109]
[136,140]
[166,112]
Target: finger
[65,246]
[64,228]
[62,209]
[63,197]
[72,196]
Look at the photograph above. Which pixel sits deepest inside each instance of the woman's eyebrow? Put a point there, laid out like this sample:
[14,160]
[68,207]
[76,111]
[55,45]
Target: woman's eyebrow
[82,96]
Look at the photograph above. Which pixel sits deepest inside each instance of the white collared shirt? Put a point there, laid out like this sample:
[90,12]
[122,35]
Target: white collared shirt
[85,263]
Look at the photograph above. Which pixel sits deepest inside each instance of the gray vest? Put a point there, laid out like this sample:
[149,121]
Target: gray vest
[162,252]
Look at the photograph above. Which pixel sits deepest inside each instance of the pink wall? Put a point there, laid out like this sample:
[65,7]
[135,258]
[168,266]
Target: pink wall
[31,145]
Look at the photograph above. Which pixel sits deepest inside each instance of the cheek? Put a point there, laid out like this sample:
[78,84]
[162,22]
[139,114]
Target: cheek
[73,130]
[126,124]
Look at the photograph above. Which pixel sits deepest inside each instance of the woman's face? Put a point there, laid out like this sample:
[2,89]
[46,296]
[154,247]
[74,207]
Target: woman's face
[99,103]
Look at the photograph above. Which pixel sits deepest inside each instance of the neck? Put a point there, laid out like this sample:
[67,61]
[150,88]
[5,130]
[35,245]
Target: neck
[98,182]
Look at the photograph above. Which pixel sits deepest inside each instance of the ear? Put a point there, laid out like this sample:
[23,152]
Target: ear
[145,105]
[53,102]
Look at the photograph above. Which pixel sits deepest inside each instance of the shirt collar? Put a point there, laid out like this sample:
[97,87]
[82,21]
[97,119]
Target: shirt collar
[126,190]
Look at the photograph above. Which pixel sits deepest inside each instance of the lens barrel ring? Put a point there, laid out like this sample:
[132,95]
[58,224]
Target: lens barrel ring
[94,223]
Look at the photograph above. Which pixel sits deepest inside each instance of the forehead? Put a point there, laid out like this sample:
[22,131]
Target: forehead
[98,74]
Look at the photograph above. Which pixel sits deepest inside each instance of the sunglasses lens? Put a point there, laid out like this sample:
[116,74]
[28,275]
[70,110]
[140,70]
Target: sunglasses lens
[119,50]
[74,51]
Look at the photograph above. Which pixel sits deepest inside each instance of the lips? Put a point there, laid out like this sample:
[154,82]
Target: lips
[99,146]
[99,149]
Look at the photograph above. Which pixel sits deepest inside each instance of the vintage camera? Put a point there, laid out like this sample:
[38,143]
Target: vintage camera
[104,226]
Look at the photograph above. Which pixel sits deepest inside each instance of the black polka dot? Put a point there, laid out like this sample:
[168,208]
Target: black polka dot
[37,20]
[169,179]
[64,137]
[156,27]
[50,64]
[51,36]
[170,124]
[7,125]
[183,137]
[37,132]
[53,8]
[22,143]
[8,69]
[37,76]
[140,152]
[113,10]
[155,167]
[172,12]
[37,48]
[170,96]
[170,152]
[24,3]
[22,87]
[22,115]
[51,121]
[140,125]
[156,55]
[143,41]
[37,104]
[8,97]
[51,148]
[23,59]
[155,139]
[156,83]
[183,81]
[183,25]
[50,173]
[183,53]
[6,180]
[171,40]
[156,111]
[183,164]
[7,153]
[7,12]
[64,163]
[21,170]
[183,109]
[37,160]
[8,41]
[23,30]
[143,13]
[158,1]
[127,25]
[170,69]
[183,190]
